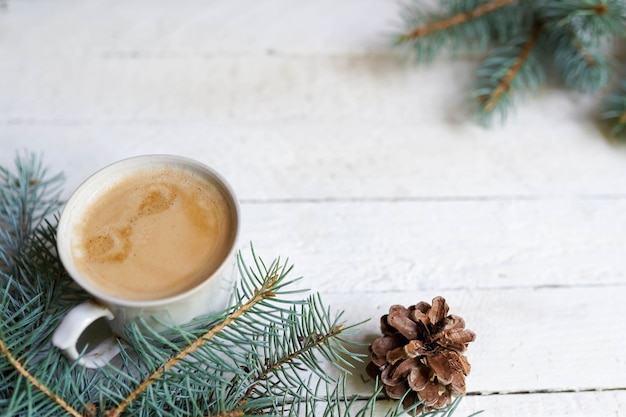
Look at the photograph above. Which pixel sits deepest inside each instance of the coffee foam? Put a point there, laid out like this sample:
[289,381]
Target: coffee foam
[153,235]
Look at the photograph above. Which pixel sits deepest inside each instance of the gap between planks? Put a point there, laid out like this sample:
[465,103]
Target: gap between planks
[439,199]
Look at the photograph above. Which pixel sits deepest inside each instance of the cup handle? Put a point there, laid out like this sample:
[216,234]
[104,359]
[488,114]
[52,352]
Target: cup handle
[66,337]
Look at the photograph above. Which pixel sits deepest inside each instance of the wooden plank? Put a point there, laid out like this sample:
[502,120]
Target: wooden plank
[580,404]
[370,88]
[542,314]
[584,404]
[227,26]
[540,326]
[551,340]
[418,246]
[339,161]
[249,88]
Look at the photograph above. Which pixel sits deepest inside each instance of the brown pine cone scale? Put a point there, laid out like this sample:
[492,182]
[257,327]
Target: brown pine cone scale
[420,356]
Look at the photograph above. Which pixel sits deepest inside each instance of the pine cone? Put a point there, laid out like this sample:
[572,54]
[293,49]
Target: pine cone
[421,352]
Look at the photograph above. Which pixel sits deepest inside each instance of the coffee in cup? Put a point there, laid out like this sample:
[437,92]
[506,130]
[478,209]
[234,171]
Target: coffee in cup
[151,238]
[153,234]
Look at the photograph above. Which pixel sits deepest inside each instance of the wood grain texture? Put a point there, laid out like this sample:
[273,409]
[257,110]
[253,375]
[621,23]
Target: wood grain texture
[579,404]
[359,166]
[526,341]
[349,161]
[414,245]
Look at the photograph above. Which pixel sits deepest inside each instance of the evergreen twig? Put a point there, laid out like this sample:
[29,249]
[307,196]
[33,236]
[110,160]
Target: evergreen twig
[502,74]
[573,36]
[580,66]
[312,343]
[265,291]
[36,383]
[457,19]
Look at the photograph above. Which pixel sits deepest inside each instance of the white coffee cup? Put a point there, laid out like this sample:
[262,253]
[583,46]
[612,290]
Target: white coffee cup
[211,294]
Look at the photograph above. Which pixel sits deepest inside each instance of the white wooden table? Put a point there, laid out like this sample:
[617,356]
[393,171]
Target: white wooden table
[359,167]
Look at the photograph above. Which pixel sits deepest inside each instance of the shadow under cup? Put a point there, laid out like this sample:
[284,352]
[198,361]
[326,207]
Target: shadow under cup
[130,235]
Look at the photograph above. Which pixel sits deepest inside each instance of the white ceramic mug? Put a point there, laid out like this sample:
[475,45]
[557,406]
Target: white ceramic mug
[209,296]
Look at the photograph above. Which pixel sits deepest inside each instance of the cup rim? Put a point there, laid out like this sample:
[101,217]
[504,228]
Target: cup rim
[64,227]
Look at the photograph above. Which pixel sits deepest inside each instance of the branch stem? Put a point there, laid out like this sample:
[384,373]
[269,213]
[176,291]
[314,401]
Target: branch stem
[457,19]
[313,342]
[264,292]
[228,414]
[35,382]
[505,82]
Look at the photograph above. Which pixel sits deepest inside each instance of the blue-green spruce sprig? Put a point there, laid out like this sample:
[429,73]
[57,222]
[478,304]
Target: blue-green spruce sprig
[580,35]
[572,37]
[27,198]
[461,26]
[505,74]
[274,352]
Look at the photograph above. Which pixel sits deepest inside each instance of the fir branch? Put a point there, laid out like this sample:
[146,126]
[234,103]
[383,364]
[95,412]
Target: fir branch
[509,69]
[294,346]
[575,36]
[462,25]
[27,363]
[457,19]
[504,84]
[239,366]
[313,342]
[266,291]
[38,385]
[27,198]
